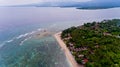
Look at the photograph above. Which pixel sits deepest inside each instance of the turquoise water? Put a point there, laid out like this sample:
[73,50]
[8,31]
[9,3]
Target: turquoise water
[21,48]
[19,45]
[35,52]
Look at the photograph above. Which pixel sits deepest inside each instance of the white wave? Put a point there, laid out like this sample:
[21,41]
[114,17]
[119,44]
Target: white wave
[9,41]
[20,36]
[6,42]
[32,32]
[24,40]
[27,34]
[39,29]
[23,35]
[1,45]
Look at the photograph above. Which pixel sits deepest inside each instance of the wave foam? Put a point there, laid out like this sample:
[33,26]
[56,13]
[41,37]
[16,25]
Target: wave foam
[24,40]
[21,36]
[27,34]
[1,45]
[9,41]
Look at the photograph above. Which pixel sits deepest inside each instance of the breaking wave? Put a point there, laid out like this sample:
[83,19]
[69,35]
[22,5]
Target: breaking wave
[26,36]
[24,40]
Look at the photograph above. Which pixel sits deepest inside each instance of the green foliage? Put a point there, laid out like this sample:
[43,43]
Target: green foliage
[65,32]
[101,40]
[88,64]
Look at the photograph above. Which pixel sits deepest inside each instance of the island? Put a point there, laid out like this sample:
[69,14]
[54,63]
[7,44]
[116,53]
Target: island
[95,44]
[96,8]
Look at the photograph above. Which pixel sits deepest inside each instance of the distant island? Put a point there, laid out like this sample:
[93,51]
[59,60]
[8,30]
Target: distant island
[93,4]
[96,8]
[95,44]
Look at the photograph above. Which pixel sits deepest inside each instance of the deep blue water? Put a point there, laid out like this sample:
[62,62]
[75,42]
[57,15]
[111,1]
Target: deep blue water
[19,47]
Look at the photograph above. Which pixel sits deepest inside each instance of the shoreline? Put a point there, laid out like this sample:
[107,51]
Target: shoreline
[67,52]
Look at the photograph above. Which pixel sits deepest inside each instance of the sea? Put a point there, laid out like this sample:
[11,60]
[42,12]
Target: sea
[21,42]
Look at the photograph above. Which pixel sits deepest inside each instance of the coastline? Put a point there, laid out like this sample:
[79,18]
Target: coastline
[66,51]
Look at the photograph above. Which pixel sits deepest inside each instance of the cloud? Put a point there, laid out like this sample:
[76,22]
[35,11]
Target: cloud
[19,2]
[65,0]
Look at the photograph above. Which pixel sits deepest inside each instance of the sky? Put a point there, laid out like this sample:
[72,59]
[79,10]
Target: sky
[20,2]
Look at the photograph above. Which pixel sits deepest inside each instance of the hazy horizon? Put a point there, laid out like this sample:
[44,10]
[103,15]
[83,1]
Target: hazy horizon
[25,2]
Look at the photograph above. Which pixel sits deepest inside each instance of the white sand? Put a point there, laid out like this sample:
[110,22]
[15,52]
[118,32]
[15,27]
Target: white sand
[66,51]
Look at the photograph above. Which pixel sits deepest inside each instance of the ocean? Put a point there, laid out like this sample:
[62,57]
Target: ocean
[21,42]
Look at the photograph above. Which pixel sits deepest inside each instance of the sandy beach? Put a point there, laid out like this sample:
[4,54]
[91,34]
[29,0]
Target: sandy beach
[66,51]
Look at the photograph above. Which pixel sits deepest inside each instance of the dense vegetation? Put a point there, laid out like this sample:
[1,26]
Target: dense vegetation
[95,44]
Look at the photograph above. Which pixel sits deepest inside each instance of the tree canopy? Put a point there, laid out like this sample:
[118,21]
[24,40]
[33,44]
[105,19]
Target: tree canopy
[99,42]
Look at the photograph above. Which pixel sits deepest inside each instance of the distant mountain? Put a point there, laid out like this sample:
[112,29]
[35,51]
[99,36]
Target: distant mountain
[90,4]
[99,4]
[94,4]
